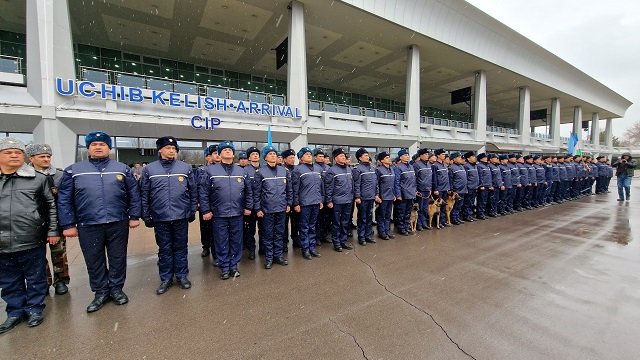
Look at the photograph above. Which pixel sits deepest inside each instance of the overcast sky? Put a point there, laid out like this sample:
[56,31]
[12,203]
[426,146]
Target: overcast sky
[601,38]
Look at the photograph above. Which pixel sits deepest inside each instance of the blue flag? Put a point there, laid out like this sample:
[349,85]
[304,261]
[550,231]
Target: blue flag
[269,141]
[573,142]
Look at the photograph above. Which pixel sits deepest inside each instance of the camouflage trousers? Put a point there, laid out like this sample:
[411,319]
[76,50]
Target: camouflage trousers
[60,263]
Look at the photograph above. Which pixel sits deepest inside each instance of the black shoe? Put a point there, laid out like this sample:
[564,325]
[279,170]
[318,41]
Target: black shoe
[234,273]
[285,249]
[482,217]
[456,222]
[306,255]
[224,275]
[370,240]
[314,253]
[447,225]
[418,228]
[205,252]
[391,236]
[260,252]
[252,255]
[350,234]
[461,221]
[353,226]
[268,264]
[97,303]
[280,261]
[362,242]
[404,233]
[35,319]
[120,298]
[10,323]
[347,246]
[61,288]
[296,244]
[184,283]
[620,199]
[469,219]
[383,236]
[164,286]
[337,248]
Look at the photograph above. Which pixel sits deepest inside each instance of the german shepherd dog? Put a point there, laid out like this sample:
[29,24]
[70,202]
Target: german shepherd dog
[434,211]
[413,220]
[452,197]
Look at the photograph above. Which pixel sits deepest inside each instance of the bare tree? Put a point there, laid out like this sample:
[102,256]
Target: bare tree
[632,135]
[616,141]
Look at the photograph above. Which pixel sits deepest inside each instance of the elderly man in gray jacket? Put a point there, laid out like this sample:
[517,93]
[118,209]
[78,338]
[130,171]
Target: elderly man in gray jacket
[28,220]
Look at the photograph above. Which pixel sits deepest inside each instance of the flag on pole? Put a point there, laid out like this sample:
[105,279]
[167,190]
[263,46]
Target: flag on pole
[269,142]
[575,145]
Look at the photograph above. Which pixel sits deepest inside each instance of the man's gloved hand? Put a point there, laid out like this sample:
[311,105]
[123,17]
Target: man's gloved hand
[148,222]
[192,218]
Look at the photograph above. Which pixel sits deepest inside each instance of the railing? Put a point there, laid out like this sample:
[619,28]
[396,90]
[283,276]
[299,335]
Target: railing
[182,87]
[355,110]
[502,130]
[446,122]
[10,64]
[540,136]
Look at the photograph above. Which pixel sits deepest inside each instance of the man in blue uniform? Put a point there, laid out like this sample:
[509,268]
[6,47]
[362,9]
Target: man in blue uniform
[473,183]
[523,171]
[485,186]
[494,205]
[441,183]
[338,186]
[458,180]
[325,215]
[424,182]
[101,219]
[169,196]
[226,195]
[562,175]
[272,199]
[506,202]
[292,218]
[550,175]
[385,195]
[308,195]
[405,191]
[206,226]
[541,183]
[533,183]
[243,160]
[516,182]
[365,183]
[250,220]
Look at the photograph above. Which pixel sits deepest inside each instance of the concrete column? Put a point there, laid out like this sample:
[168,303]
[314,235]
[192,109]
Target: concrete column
[608,135]
[554,128]
[577,122]
[412,106]
[524,115]
[50,55]
[595,131]
[480,105]
[297,90]
[300,141]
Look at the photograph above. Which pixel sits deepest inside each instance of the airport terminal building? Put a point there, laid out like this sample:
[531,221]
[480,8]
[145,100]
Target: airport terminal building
[379,74]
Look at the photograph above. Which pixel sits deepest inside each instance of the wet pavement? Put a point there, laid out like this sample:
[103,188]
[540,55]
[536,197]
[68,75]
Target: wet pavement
[554,283]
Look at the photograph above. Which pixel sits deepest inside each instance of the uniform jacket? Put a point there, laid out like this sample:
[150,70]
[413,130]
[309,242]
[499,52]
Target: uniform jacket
[532,173]
[440,177]
[556,171]
[603,169]
[307,185]
[562,172]
[524,174]
[484,174]
[338,185]
[365,182]
[386,182]
[515,174]
[28,211]
[541,174]
[506,176]
[272,189]
[405,181]
[571,170]
[548,172]
[225,191]
[97,191]
[424,176]
[168,191]
[458,178]
[473,177]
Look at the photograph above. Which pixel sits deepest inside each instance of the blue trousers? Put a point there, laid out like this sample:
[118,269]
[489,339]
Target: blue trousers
[508,199]
[457,208]
[517,197]
[624,186]
[249,231]
[365,219]
[423,213]
[23,280]
[172,238]
[272,233]
[323,224]
[404,214]
[228,241]
[104,243]
[443,208]
[206,232]
[341,220]
[503,199]
[482,201]
[384,220]
[526,196]
[308,216]
[469,203]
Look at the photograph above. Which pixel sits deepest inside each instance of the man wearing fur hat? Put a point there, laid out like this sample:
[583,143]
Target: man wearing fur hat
[405,191]
[23,193]
[40,158]
[424,182]
[365,183]
[308,196]
[98,201]
[206,226]
[272,199]
[226,195]
[293,218]
[249,233]
[169,196]
[338,186]
[441,183]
